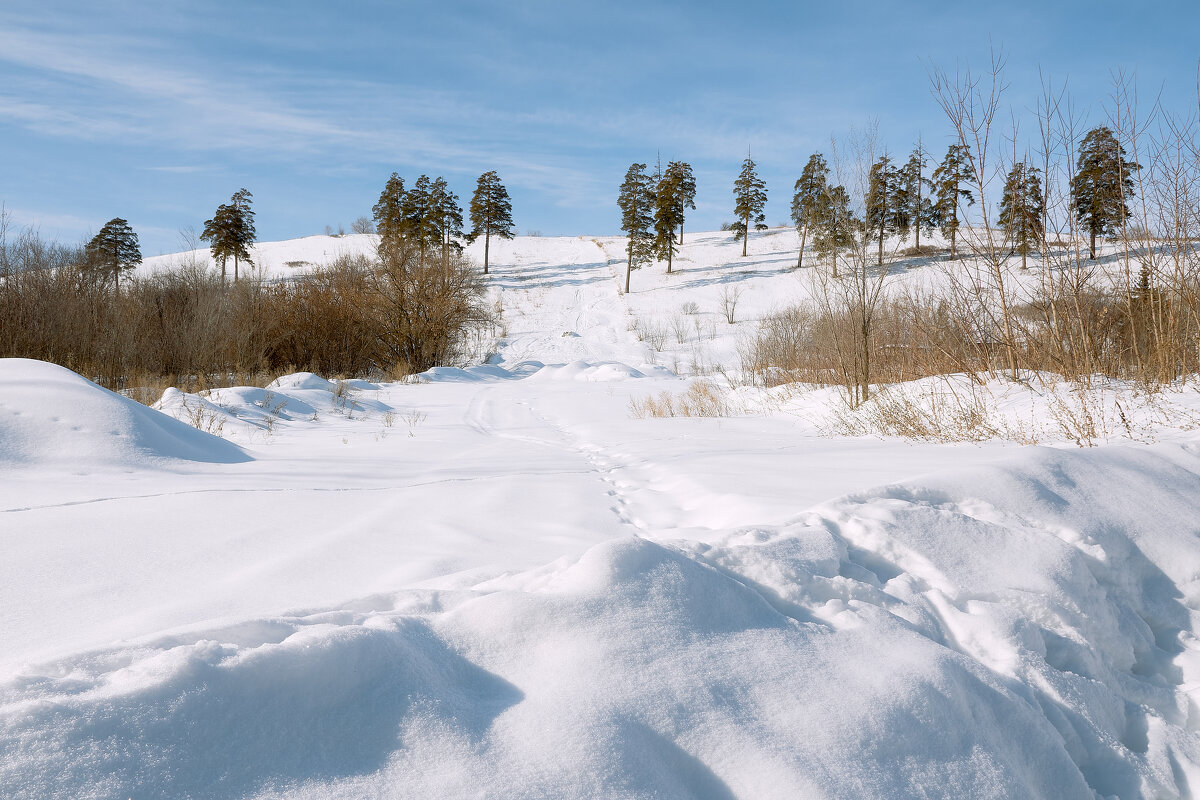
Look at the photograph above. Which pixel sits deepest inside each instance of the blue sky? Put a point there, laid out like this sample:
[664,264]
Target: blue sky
[157,112]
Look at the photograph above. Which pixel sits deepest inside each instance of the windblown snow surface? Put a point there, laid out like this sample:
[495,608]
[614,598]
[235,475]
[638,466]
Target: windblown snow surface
[497,582]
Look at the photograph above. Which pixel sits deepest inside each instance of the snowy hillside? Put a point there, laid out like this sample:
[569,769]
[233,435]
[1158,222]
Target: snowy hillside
[501,582]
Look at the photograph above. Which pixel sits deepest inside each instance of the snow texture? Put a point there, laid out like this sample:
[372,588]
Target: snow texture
[495,581]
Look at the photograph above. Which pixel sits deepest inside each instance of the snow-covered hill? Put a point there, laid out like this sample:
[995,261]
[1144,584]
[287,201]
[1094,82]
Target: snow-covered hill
[499,582]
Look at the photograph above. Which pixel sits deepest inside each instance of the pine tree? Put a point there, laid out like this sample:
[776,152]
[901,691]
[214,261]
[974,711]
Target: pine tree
[231,231]
[835,225]
[684,183]
[389,215]
[244,232]
[670,200]
[951,181]
[421,220]
[1102,184]
[491,213]
[918,208]
[447,218]
[113,250]
[636,201]
[750,200]
[884,207]
[1021,208]
[812,192]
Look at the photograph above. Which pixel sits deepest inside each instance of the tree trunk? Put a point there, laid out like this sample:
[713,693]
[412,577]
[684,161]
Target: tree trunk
[628,267]
[487,239]
[235,268]
[681,233]
[881,223]
[917,216]
[669,259]
[803,238]
[1092,246]
[745,235]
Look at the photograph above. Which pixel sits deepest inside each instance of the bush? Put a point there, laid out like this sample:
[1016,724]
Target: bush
[184,327]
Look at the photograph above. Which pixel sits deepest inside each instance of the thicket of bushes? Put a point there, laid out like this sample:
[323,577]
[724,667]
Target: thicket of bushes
[1076,327]
[185,327]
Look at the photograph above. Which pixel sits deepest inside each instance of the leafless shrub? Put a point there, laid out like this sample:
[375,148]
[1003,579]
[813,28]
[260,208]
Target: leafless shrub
[729,300]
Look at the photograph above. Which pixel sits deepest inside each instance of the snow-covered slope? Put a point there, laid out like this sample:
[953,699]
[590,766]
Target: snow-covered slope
[500,583]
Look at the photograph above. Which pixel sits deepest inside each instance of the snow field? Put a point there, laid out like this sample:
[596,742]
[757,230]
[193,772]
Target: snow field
[498,583]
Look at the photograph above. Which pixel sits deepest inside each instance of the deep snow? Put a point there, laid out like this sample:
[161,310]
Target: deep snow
[498,582]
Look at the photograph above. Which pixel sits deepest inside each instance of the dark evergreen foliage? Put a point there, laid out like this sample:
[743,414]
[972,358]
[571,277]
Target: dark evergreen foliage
[232,232]
[951,185]
[835,225]
[389,214]
[491,213]
[1021,208]
[684,183]
[750,201]
[884,207]
[1102,184]
[113,250]
[810,198]
[636,201]
[917,209]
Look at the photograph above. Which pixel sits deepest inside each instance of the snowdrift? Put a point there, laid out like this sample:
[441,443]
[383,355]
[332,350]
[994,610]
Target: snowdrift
[51,417]
[1012,631]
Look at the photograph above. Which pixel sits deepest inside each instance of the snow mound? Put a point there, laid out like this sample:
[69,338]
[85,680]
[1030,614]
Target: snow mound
[1012,631]
[50,416]
[598,371]
[301,380]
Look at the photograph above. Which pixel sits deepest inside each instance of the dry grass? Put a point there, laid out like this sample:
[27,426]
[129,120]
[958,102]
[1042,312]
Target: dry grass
[701,399]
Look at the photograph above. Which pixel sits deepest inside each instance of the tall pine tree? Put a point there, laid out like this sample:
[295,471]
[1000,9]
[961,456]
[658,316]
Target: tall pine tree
[1102,184]
[113,250]
[750,201]
[673,191]
[636,202]
[389,215]
[491,213]
[448,218]
[918,208]
[884,207]
[1021,208]
[683,182]
[951,186]
[835,225]
[231,231]
[811,195]
[421,220]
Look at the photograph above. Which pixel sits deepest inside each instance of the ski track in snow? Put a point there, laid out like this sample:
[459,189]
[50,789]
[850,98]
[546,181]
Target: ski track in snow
[530,594]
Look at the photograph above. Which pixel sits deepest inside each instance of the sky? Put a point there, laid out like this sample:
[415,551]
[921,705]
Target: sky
[158,112]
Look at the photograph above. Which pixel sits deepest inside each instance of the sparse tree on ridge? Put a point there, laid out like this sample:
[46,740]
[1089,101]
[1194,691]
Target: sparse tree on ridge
[951,182]
[1021,208]
[363,225]
[637,215]
[390,221]
[231,231]
[812,192]
[750,201]
[491,213]
[421,221]
[884,210]
[447,216]
[684,183]
[918,208]
[670,200]
[835,225]
[1102,184]
[113,250]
